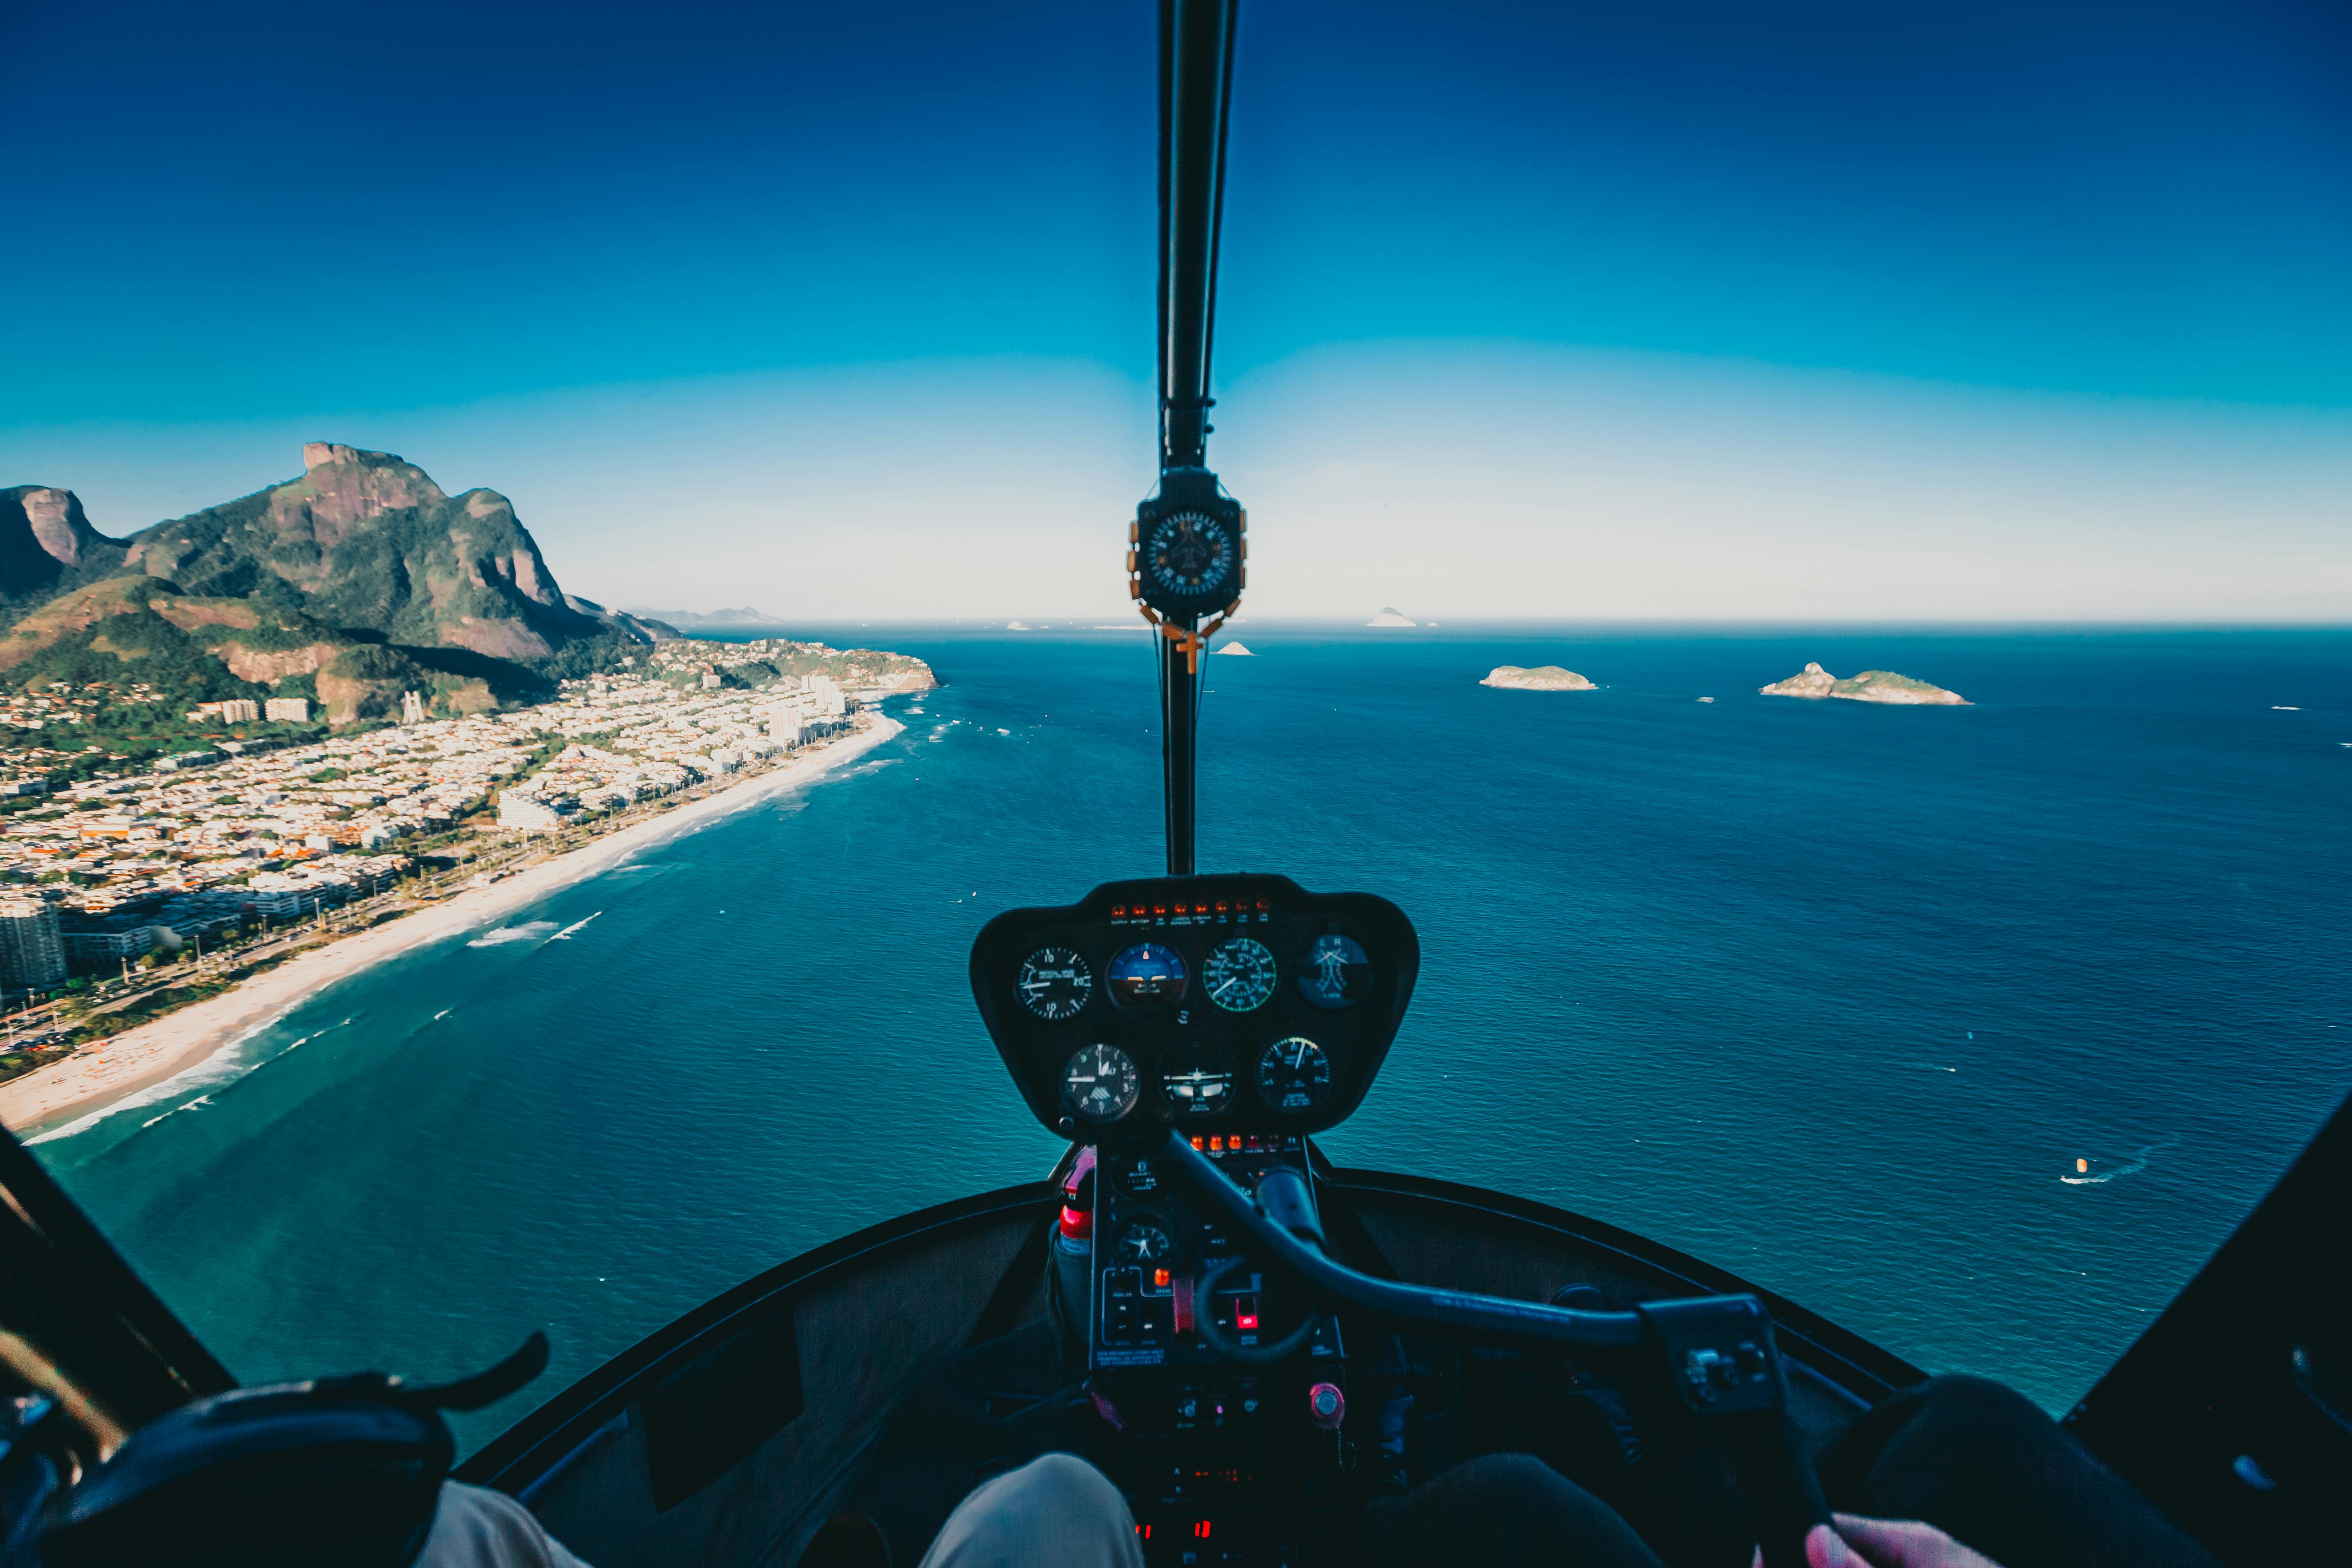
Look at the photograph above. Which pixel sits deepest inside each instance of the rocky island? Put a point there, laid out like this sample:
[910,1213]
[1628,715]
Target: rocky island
[1870,686]
[1542,678]
[1388,616]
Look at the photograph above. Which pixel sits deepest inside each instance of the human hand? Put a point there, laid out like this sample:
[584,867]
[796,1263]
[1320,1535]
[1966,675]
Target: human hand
[1884,1544]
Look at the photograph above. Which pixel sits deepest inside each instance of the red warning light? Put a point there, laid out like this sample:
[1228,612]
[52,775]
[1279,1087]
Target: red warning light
[1200,909]
[1262,903]
[1159,909]
[1224,906]
[1119,911]
[1160,1280]
[1196,1143]
[1216,1145]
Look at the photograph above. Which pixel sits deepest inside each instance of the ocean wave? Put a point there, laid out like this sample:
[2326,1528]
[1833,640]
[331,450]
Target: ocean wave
[523,933]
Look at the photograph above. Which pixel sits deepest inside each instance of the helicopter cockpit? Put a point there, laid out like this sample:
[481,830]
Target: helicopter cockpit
[1194,1032]
[1257,1345]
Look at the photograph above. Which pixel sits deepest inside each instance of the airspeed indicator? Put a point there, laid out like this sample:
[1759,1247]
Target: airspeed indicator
[1239,975]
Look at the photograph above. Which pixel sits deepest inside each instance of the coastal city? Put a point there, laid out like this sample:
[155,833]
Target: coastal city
[125,872]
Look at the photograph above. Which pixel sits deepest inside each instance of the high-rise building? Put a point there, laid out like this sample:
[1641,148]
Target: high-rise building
[240,711]
[32,949]
[286,710]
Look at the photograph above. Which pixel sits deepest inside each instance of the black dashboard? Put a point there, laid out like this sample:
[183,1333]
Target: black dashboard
[1220,1005]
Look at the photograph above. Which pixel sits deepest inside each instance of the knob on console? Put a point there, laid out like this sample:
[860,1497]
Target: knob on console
[1327,1406]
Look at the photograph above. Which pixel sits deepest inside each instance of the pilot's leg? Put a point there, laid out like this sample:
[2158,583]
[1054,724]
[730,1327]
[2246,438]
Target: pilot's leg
[1982,1463]
[1504,1511]
[1057,1511]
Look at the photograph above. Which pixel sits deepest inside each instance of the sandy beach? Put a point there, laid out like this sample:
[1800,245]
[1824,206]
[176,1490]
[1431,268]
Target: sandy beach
[98,1075]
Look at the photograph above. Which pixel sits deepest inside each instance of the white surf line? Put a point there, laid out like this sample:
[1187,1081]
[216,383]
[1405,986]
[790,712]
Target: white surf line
[565,934]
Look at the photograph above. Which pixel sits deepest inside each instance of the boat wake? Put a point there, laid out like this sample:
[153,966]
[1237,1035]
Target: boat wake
[523,933]
[565,934]
[2095,1177]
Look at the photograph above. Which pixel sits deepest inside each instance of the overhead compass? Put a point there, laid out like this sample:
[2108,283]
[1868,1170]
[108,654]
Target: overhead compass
[1187,559]
[1054,983]
[1238,975]
[1188,554]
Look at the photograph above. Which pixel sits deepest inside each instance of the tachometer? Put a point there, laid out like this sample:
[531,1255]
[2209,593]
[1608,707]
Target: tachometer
[1101,1083]
[1238,975]
[1294,1074]
[1054,983]
[1335,971]
[1147,976]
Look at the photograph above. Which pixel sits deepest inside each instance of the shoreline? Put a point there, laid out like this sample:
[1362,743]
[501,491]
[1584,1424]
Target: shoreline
[97,1078]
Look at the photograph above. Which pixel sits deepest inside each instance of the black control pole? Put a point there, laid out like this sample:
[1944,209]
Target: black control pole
[1196,60]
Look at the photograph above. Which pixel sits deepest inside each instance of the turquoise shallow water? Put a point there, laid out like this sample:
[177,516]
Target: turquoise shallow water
[1831,994]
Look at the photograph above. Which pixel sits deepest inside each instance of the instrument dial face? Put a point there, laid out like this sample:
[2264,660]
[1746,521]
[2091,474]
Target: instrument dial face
[1189,554]
[1054,983]
[1101,1083]
[1294,1075]
[1146,1243]
[1335,971]
[1197,1081]
[1239,975]
[1147,976]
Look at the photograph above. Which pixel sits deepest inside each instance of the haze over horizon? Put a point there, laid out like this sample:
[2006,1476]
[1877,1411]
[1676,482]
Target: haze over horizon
[1969,313]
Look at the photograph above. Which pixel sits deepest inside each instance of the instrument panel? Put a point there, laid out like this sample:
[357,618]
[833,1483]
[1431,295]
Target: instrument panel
[1216,1004]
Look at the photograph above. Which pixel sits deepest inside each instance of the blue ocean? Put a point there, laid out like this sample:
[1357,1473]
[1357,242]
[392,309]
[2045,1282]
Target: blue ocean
[1835,996]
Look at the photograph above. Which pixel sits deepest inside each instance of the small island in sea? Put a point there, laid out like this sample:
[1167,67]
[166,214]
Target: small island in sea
[1870,686]
[1237,650]
[1388,616]
[1542,678]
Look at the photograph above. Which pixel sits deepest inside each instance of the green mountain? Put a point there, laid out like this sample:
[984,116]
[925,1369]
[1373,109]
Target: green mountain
[356,581]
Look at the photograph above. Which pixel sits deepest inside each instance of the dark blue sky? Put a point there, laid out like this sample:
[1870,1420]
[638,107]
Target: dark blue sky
[251,210]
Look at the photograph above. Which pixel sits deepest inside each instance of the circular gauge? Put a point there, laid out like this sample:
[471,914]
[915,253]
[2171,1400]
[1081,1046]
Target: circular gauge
[1147,976]
[1054,983]
[1238,975]
[1144,1243]
[1294,1074]
[1197,1081]
[1335,972]
[1189,553]
[1101,1083]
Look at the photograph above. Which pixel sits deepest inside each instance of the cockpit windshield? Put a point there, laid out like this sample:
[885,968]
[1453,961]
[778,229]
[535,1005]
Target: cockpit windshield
[1812,575]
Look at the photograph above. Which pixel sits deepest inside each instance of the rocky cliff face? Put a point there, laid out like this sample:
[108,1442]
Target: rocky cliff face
[1870,686]
[363,576]
[46,542]
[365,540]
